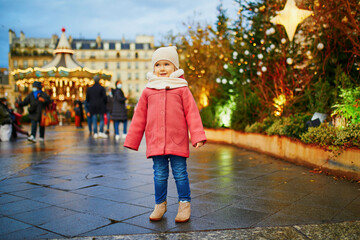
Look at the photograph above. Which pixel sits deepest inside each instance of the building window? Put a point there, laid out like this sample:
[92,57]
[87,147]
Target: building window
[35,63]
[129,65]
[106,55]
[15,63]
[136,65]
[117,55]
[129,76]
[106,46]
[128,55]
[106,65]
[118,65]
[137,89]
[137,76]
[45,62]
[25,65]
[136,55]
[118,76]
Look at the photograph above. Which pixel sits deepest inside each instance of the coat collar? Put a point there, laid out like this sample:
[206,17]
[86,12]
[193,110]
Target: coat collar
[175,80]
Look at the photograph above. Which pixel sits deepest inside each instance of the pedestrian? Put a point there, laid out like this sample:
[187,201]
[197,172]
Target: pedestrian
[38,100]
[18,100]
[96,97]
[109,106]
[88,116]
[65,112]
[119,111]
[166,111]
[5,121]
[78,101]
[77,116]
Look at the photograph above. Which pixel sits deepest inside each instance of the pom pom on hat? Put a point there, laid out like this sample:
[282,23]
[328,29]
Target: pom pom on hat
[166,53]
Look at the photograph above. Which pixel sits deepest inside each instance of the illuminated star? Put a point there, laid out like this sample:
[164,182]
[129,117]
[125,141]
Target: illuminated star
[290,17]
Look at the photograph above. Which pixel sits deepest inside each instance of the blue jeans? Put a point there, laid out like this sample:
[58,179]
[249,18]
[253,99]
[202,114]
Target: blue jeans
[34,127]
[89,121]
[161,174]
[94,120]
[116,126]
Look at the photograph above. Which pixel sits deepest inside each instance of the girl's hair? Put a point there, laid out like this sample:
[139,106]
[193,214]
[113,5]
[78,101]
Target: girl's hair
[117,82]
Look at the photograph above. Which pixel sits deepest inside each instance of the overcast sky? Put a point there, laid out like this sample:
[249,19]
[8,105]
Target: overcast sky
[112,19]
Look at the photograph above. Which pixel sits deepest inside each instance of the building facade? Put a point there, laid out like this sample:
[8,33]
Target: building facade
[128,61]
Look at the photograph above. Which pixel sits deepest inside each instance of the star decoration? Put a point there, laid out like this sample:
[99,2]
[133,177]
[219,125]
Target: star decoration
[290,17]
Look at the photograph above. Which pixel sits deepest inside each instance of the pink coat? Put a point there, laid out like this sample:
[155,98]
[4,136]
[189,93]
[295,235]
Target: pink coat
[166,116]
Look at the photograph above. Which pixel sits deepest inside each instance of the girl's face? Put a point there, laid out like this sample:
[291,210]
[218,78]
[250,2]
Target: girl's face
[163,68]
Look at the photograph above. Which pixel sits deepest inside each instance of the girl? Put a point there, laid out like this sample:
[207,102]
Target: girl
[166,111]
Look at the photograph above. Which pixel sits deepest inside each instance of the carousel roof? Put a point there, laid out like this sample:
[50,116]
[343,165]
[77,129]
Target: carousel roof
[62,65]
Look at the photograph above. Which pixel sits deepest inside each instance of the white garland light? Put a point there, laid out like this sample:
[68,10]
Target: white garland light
[289,61]
[260,56]
[320,46]
[264,69]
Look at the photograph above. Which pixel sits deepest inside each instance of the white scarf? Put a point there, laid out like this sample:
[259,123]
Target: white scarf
[173,81]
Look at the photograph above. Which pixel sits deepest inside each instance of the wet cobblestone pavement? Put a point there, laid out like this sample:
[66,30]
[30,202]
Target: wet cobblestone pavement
[74,186]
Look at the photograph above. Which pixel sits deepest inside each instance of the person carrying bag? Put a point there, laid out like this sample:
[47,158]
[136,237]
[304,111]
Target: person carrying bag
[38,101]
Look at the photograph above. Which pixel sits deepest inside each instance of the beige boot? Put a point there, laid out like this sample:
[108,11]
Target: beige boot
[184,212]
[159,211]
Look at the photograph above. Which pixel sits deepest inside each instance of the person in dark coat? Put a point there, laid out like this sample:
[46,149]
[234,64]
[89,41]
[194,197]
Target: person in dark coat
[119,111]
[77,101]
[38,100]
[5,121]
[96,97]
[109,106]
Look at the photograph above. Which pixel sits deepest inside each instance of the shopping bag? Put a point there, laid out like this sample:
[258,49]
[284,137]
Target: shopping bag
[49,118]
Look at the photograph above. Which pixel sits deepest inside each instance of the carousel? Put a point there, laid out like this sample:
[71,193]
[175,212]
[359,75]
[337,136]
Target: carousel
[64,79]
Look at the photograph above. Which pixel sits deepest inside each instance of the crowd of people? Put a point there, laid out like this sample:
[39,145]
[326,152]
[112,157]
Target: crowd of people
[100,106]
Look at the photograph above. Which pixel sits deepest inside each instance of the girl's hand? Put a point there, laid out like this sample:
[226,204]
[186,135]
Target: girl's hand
[199,144]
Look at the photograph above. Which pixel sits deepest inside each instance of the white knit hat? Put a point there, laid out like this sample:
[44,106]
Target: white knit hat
[166,53]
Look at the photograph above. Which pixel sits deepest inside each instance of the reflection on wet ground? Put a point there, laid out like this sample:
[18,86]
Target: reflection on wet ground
[105,189]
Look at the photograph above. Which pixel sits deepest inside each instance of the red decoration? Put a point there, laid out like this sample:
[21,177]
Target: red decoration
[63,29]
